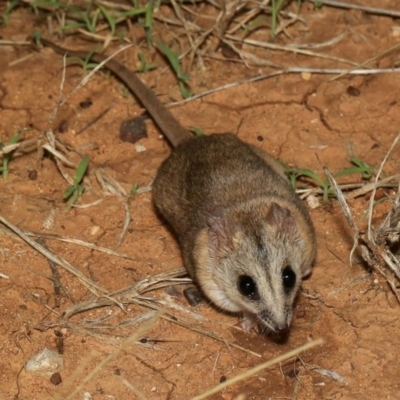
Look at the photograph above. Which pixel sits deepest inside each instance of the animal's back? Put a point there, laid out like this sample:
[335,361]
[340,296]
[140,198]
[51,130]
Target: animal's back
[213,171]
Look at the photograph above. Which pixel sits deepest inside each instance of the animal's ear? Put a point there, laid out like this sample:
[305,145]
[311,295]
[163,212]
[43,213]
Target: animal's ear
[223,236]
[280,219]
[306,272]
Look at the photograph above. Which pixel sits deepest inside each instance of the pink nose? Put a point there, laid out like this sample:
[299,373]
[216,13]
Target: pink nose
[283,330]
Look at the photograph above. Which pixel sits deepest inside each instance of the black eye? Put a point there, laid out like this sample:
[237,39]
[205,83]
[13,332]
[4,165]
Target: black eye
[288,278]
[247,287]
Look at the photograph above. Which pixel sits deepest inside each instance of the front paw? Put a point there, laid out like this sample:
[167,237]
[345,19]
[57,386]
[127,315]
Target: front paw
[249,322]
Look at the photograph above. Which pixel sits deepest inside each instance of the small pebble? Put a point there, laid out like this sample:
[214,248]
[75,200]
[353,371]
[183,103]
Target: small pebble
[86,103]
[56,379]
[306,76]
[63,127]
[352,91]
[133,130]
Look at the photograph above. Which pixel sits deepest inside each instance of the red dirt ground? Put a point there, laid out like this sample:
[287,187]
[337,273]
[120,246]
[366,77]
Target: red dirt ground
[307,123]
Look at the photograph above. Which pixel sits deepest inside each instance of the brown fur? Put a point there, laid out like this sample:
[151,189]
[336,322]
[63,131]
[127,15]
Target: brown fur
[233,211]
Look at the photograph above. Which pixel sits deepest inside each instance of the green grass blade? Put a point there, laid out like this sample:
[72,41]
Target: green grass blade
[133,12]
[276,8]
[7,157]
[10,7]
[148,24]
[134,190]
[73,26]
[81,170]
[14,138]
[94,20]
[368,170]
[73,198]
[144,65]
[352,171]
[110,19]
[68,192]
[253,25]
[174,61]
[47,3]
[310,174]
[185,90]
[171,56]
[198,131]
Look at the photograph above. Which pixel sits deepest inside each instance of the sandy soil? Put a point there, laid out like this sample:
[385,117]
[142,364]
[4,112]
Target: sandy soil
[307,123]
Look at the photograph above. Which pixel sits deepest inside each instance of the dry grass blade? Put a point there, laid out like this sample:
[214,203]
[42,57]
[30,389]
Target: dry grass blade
[79,242]
[341,200]
[394,215]
[25,146]
[60,92]
[136,295]
[372,199]
[88,283]
[68,383]
[352,190]
[372,59]
[377,244]
[346,210]
[290,49]
[58,157]
[133,294]
[228,86]
[110,185]
[128,342]
[289,70]
[328,71]
[368,187]
[82,82]
[129,294]
[349,6]
[137,392]
[8,148]
[187,325]
[4,42]
[328,43]
[259,368]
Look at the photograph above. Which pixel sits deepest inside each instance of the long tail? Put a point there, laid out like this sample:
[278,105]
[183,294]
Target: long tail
[169,125]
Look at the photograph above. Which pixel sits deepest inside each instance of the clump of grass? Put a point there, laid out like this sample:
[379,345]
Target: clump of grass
[90,18]
[360,167]
[173,59]
[74,191]
[379,245]
[87,65]
[4,19]
[144,65]
[106,22]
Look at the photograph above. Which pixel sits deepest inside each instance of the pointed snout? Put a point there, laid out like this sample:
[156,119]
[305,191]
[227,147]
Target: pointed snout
[283,329]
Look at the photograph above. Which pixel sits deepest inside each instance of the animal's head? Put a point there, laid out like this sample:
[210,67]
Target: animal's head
[253,263]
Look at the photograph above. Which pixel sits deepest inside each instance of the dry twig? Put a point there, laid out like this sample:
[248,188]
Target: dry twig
[377,245]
